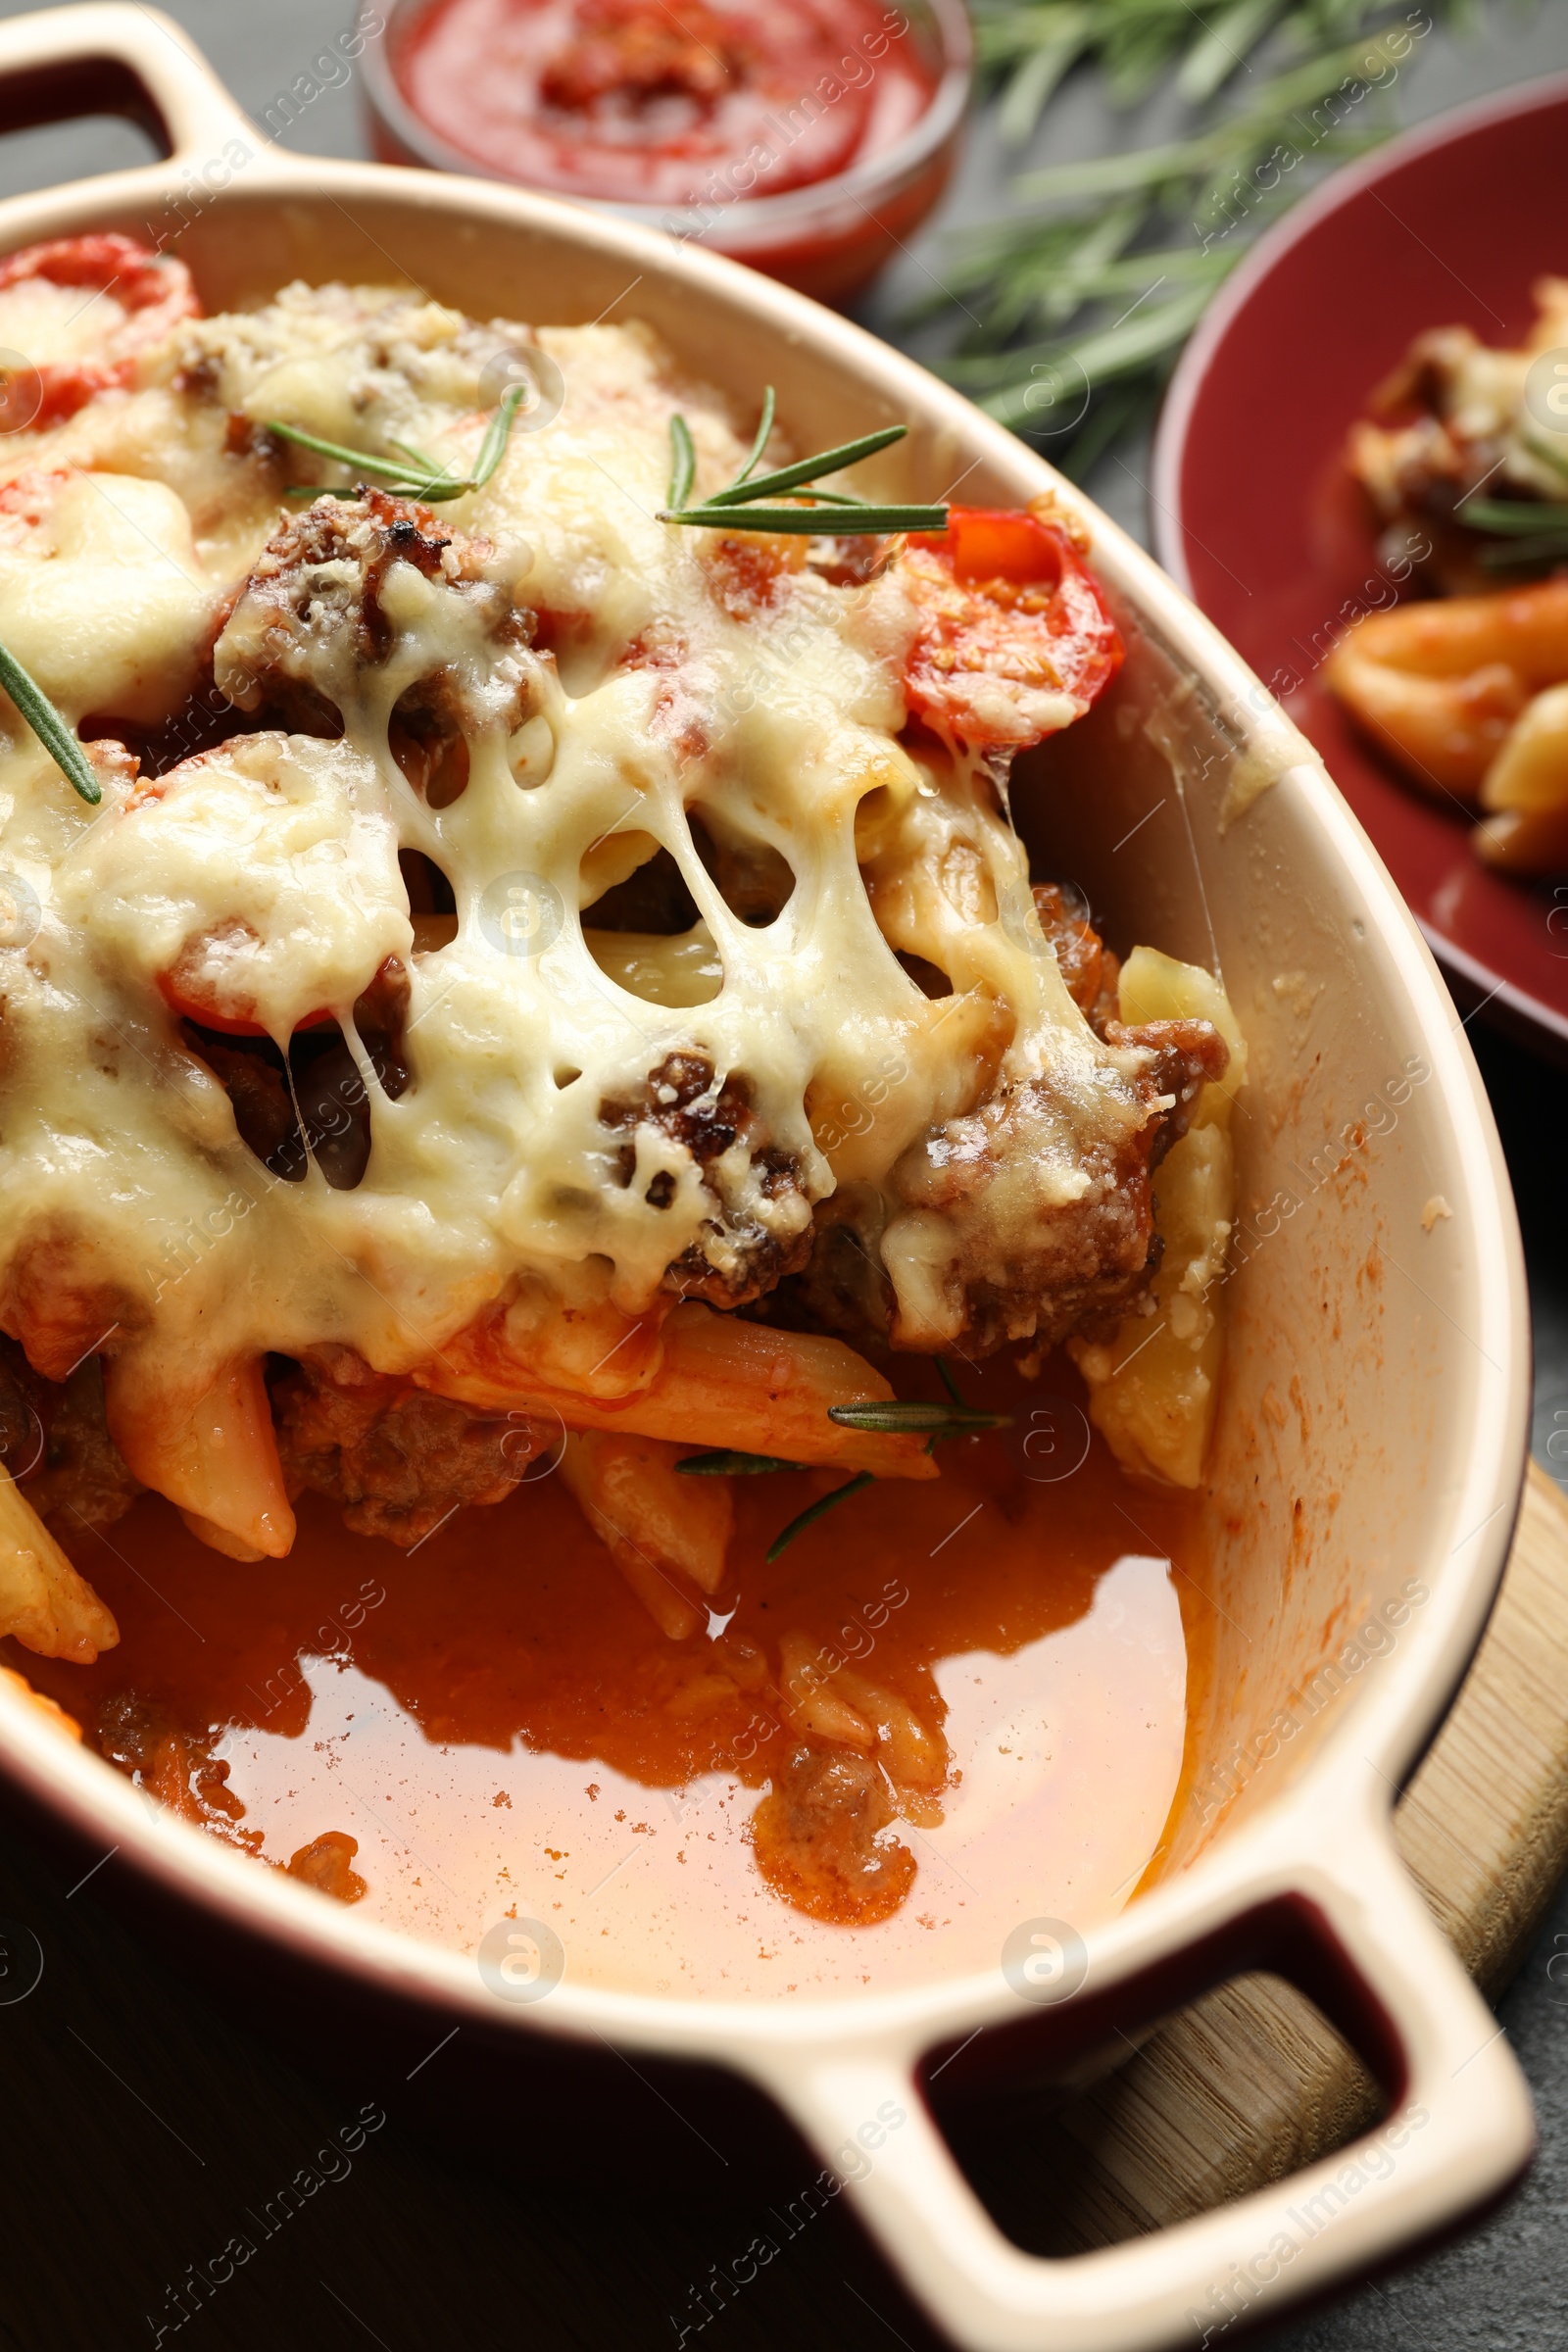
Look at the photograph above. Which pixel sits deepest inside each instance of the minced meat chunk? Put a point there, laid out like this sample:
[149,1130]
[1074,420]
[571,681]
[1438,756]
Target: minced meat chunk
[399,1459]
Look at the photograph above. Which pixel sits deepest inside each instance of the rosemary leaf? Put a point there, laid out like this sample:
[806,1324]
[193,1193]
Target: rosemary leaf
[1508,555]
[896,1416]
[50,728]
[945,1375]
[1126,405]
[757,446]
[384,467]
[812,522]
[814,1512]
[1038,79]
[682,460]
[720,1464]
[1140,168]
[413,476]
[1519,517]
[805,470]
[1221,49]
[428,467]
[497,434]
[1128,348]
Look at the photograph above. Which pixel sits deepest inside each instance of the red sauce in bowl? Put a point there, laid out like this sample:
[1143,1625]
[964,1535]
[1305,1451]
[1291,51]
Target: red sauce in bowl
[639,102]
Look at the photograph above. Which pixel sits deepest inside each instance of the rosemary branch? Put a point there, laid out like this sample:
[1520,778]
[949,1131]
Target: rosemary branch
[51,732]
[889,1416]
[414,475]
[829,513]
[1067,318]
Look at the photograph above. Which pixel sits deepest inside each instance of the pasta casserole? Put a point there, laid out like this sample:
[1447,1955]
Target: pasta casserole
[547,982]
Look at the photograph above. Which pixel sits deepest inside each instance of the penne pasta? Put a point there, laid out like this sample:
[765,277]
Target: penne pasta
[45,1604]
[213,1455]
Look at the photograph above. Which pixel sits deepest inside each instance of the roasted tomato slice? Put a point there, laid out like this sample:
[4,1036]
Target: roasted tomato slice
[150,296]
[1015,640]
[191,1004]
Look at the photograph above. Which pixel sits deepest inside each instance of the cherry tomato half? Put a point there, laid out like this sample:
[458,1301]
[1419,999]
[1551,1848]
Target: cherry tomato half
[154,295]
[1012,621]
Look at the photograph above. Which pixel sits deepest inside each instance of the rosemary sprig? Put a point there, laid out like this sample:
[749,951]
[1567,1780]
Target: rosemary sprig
[829,513]
[50,728]
[1516,517]
[889,1416]
[682,460]
[413,476]
[1524,533]
[807,469]
[763,429]
[900,1416]
[1067,318]
[720,1465]
[814,1512]
[1028,50]
[835,521]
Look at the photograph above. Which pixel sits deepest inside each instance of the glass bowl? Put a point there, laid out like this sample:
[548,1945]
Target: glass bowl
[828,238]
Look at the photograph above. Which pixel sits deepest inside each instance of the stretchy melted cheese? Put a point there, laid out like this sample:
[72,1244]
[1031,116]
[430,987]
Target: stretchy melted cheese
[857,1040]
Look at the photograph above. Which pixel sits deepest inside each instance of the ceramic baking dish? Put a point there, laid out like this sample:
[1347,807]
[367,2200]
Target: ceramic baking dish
[1372,1430]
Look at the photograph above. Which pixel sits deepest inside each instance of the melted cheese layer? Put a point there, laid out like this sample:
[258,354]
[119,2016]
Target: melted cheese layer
[613,679]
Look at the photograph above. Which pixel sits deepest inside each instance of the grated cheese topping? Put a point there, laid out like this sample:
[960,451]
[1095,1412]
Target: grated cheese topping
[622,690]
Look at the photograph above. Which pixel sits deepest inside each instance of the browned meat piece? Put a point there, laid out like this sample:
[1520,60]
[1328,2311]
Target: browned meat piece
[80,1475]
[24,1404]
[312,621]
[333,1100]
[739,1257]
[1028,1271]
[817,1839]
[251,1073]
[1031,1267]
[1186,1055]
[60,1307]
[1088,966]
[844,1287]
[399,1459]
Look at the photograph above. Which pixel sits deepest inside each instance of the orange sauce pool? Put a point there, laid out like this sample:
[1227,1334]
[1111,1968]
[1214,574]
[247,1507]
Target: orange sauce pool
[507,1736]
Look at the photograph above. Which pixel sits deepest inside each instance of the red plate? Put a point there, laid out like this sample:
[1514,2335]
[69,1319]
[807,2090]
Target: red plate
[1257,521]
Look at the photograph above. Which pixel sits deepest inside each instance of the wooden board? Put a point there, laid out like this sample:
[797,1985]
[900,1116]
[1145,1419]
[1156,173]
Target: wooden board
[1249,2083]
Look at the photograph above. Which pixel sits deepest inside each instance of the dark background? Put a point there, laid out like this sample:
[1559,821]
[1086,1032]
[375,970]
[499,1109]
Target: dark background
[143,2118]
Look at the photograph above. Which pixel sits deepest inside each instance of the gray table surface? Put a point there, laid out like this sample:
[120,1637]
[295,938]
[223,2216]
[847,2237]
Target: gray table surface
[1505,2288]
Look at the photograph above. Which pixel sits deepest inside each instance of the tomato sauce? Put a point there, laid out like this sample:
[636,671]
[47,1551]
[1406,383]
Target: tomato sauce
[504,1735]
[691,102]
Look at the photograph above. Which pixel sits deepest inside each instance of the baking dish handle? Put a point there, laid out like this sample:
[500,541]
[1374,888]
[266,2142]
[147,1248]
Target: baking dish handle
[47,74]
[1458,2133]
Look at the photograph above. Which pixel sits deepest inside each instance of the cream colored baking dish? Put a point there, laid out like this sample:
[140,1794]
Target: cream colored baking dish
[1372,1430]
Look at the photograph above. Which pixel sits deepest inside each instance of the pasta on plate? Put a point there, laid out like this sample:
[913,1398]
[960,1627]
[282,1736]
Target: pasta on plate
[1465,468]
